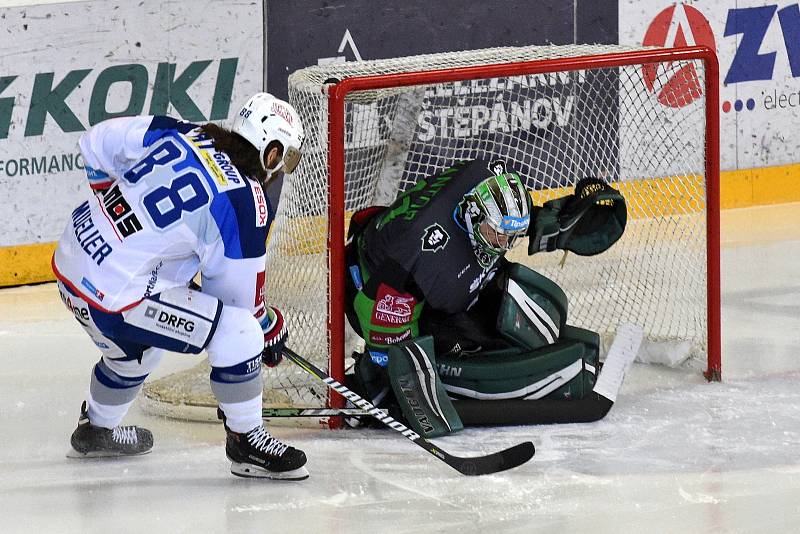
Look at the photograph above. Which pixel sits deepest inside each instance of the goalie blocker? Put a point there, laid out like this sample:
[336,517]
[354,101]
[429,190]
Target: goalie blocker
[548,374]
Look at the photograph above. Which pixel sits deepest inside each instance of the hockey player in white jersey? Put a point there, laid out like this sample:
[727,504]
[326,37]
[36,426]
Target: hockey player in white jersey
[173,199]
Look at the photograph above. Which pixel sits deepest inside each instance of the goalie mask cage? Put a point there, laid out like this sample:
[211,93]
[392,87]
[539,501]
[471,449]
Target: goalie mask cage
[643,119]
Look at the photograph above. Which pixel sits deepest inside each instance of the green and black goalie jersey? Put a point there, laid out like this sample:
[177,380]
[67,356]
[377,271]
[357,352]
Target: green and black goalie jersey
[420,244]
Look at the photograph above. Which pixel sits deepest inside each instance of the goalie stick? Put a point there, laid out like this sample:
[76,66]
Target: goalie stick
[472,466]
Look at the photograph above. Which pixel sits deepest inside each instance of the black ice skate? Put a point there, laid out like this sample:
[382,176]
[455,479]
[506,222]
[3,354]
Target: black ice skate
[90,441]
[257,454]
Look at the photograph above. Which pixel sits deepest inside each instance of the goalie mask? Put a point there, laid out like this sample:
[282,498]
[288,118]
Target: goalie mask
[496,213]
[265,122]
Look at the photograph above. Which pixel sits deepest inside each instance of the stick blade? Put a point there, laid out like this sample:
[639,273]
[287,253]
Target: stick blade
[496,462]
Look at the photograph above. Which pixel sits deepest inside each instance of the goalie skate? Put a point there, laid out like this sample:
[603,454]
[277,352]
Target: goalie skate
[257,454]
[90,441]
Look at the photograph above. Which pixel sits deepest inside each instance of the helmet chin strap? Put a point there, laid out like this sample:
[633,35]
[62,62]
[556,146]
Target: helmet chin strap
[270,172]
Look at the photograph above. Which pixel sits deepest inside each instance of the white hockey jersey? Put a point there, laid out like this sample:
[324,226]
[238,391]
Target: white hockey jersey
[168,205]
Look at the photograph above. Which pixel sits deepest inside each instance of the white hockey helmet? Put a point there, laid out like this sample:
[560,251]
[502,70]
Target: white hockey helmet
[264,119]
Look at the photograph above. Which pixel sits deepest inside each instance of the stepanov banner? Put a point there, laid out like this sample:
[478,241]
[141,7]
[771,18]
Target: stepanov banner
[758,44]
[364,29]
[66,67]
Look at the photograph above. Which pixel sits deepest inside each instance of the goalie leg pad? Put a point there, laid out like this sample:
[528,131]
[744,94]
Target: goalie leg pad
[566,370]
[422,399]
[533,310]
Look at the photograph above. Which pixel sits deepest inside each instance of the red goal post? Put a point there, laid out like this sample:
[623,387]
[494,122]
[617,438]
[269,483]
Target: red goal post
[338,93]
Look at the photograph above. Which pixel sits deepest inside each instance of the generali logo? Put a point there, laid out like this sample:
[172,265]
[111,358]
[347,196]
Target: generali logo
[677,25]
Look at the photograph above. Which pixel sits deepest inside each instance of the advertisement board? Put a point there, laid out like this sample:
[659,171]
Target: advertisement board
[60,74]
[352,30]
[758,45]
[540,110]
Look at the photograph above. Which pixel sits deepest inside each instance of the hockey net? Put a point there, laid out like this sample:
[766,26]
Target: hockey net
[644,120]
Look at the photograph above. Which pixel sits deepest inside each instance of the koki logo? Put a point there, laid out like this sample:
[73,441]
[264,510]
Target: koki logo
[677,25]
[117,90]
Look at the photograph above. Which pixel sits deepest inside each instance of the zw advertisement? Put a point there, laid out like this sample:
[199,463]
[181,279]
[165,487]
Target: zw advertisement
[758,45]
[153,58]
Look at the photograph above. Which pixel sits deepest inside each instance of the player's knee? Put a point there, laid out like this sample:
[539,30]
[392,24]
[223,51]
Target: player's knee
[238,338]
[141,366]
[151,358]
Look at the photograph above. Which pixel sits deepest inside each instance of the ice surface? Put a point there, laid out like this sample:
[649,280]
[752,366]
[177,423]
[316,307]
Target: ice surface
[675,454]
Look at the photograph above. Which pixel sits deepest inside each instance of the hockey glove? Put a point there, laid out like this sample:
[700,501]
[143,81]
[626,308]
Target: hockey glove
[586,223]
[275,335]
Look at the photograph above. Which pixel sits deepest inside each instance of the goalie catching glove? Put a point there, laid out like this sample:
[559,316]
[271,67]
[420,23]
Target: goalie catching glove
[586,223]
[275,335]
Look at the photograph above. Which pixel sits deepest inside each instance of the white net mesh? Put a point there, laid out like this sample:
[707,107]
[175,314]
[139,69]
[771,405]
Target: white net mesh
[640,127]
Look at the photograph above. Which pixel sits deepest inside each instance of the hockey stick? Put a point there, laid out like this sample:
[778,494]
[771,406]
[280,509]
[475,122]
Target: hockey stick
[314,412]
[477,465]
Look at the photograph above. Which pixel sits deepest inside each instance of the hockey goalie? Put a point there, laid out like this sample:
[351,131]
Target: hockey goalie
[455,333]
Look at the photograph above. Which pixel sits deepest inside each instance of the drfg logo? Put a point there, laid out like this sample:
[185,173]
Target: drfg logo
[169,319]
[121,87]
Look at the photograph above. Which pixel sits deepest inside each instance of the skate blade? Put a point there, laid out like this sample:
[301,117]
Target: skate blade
[72,453]
[253,471]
